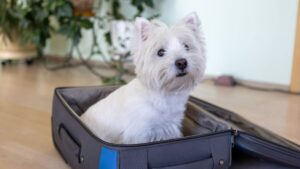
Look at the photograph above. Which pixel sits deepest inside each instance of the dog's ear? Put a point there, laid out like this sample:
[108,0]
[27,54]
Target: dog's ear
[192,21]
[142,26]
[158,23]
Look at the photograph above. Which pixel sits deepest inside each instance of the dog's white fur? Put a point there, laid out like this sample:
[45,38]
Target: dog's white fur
[151,107]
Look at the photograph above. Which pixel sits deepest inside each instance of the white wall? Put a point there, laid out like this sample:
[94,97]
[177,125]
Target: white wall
[250,39]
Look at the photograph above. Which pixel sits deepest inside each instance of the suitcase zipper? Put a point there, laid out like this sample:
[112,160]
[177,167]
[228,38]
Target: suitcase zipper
[235,133]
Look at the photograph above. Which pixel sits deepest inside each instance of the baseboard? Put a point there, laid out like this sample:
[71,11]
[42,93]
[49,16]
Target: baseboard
[263,85]
[255,84]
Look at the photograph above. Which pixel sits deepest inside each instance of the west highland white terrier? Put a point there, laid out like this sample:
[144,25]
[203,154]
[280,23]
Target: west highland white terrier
[170,62]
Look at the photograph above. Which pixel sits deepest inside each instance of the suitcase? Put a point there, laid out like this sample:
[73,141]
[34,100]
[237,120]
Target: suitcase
[215,138]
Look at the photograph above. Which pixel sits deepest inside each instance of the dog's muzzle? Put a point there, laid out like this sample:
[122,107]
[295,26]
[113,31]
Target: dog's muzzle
[180,74]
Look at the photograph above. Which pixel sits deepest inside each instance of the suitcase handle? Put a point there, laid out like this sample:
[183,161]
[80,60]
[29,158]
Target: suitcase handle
[70,143]
[207,163]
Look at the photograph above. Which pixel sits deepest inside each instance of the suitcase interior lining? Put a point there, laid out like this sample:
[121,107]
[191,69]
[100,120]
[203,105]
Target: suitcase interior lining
[197,121]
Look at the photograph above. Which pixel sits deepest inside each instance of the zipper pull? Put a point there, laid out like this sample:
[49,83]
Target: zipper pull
[235,133]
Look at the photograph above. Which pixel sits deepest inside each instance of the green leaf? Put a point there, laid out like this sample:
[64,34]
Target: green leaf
[136,2]
[64,11]
[24,24]
[116,10]
[149,3]
[113,80]
[85,23]
[108,38]
[41,15]
[64,29]
[153,16]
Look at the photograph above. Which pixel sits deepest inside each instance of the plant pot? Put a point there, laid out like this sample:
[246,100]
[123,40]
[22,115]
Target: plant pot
[15,50]
[83,7]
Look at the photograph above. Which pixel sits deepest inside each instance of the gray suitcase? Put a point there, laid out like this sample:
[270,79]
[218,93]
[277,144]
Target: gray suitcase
[215,138]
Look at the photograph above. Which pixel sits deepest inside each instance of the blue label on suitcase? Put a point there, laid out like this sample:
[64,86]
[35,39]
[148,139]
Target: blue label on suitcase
[108,159]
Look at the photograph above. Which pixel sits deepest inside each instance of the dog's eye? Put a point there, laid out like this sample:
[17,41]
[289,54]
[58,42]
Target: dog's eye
[161,52]
[187,48]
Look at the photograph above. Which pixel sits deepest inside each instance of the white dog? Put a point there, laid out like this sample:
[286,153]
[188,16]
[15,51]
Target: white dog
[170,62]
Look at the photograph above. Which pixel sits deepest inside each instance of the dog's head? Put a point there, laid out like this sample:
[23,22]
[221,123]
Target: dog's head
[169,58]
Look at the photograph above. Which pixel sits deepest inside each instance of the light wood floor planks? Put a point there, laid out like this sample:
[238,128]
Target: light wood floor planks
[25,111]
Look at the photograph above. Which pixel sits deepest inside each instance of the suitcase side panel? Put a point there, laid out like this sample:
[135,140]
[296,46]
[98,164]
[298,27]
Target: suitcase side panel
[211,151]
[77,147]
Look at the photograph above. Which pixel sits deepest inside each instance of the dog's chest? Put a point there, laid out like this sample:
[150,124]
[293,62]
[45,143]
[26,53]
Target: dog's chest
[168,103]
[167,110]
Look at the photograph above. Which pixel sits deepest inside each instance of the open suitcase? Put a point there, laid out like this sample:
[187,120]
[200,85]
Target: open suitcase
[215,138]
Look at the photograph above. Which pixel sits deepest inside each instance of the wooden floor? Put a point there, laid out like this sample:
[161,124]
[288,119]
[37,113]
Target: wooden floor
[25,111]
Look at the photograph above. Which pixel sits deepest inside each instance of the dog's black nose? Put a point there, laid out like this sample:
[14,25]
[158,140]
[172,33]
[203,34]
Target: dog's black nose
[181,64]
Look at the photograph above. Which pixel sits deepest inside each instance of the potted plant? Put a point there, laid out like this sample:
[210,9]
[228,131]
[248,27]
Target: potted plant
[25,25]
[12,46]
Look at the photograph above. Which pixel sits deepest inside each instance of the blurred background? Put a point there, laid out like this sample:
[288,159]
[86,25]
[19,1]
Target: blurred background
[253,61]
